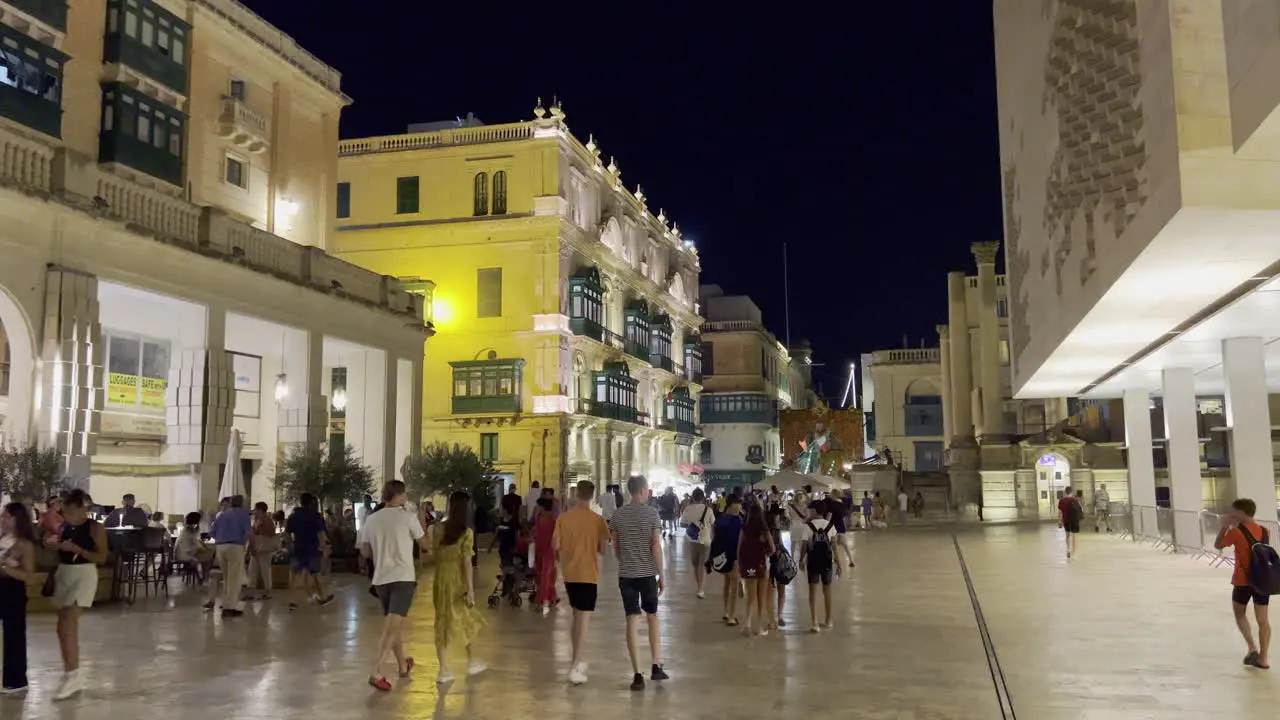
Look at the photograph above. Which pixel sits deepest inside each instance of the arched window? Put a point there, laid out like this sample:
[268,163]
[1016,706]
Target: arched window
[482,194]
[500,193]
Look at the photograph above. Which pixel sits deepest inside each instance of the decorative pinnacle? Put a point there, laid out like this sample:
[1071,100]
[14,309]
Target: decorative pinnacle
[639,193]
[613,166]
[662,216]
[944,332]
[557,111]
[539,111]
[984,253]
[591,145]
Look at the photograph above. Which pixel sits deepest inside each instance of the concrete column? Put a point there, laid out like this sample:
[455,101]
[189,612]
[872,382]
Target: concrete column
[305,410]
[944,354]
[984,254]
[391,375]
[961,411]
[1249,421]
[1137,431]
[70,371]
[402,402]
[208,374]
[1182,439]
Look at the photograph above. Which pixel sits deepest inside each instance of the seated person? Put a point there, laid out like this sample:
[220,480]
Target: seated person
[189,548]
[157,521]
[128,514]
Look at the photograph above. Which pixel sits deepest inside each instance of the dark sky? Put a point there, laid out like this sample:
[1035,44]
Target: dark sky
[867,141]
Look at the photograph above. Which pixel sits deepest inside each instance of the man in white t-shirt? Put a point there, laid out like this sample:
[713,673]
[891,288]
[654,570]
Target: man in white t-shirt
[699,514]
[387,538]
[903,504]
[816,539]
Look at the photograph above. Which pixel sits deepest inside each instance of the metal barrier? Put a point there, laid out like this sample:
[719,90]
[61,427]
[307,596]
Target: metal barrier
[1187,532]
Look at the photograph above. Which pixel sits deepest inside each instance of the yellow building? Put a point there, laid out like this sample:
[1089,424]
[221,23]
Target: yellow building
[565,311]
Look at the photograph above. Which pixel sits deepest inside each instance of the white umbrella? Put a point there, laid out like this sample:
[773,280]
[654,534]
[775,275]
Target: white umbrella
[789,480]
[232,476]
[833,483]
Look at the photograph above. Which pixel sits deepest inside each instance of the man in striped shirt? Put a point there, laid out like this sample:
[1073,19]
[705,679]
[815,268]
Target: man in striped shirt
[637,538]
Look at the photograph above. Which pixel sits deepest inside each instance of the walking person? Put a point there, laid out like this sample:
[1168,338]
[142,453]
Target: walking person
[453,594]
[836,509]
[1240,532]
[581,536]
[903,503]
[637,540]
[1102,509]
[818,560]
[17,568]
[778,579]
[82,547]
[544,530]
[697,520]
[231,531]
[263,545]
[1070,513]
[308,534]
[387,539]
[667,503]
[866,510]
[755,547]
[724,555]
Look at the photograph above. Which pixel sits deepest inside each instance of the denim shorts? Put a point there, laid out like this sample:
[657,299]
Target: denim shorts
[310,563]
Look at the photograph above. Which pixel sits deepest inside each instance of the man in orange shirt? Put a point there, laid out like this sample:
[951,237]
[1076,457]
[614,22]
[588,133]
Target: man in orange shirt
[580,539]
[1240,531]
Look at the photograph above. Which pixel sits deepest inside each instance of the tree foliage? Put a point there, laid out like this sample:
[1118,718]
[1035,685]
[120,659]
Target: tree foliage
[30,473]
[333,477]
[441,469]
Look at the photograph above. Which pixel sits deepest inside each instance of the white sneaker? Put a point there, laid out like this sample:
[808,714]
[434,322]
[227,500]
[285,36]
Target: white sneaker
[546,610]
[475,667]
[72,683]
[8,692]
[444,677]
[578,674]
[701,594]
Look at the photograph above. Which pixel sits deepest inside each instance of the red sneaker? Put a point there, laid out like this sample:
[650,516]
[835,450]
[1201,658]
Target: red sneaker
[380,683]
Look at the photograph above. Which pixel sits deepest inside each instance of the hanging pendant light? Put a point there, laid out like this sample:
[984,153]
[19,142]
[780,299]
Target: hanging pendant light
[282,387]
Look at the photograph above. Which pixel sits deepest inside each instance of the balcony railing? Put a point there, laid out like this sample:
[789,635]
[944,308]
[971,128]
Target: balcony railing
[207,231]
[612,411]
[908,356]
[245,126]
[438,138]
[463,405]
[612,339]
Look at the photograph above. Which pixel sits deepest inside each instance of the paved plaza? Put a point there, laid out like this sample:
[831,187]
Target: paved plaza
[1124,631]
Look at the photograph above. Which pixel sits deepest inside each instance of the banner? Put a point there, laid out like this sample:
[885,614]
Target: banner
[153,392]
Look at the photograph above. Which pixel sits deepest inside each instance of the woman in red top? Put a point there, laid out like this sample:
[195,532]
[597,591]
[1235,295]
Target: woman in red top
[1232,533]
[544,530]
[755,546]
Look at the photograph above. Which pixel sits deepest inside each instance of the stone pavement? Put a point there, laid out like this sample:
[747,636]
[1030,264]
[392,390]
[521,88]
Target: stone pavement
[1123,632]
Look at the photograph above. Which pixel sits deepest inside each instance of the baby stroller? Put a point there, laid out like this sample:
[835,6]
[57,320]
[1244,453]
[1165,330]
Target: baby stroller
[514,580]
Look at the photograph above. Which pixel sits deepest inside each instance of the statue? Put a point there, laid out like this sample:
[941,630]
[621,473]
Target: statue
[812,447]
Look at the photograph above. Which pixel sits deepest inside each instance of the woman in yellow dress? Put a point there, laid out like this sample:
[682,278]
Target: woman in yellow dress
[454,593]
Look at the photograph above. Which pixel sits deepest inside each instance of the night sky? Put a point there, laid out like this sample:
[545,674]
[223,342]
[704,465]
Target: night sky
[866,141]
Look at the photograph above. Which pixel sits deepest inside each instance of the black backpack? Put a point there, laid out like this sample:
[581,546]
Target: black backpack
[820,556]
[1075,513]
[1264,564]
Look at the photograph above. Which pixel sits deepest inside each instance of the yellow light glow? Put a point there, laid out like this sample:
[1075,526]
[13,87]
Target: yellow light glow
[441,311]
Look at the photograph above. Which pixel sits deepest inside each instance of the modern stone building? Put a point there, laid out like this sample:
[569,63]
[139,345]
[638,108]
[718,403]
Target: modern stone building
[167,173]
[902,399]
[566,309]
[1140,156]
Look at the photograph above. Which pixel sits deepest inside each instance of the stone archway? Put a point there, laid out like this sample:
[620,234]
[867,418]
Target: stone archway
[1053,478]
[19,402]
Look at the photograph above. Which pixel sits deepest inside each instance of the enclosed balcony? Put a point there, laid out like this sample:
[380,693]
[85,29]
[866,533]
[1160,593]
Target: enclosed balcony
[693,358]
[140,133]
[750,408]
[677,412]
[243,126]
[145,42]
[635,336]
[50,12]
[614,393]
[31,82]
[487,386]
[660,342]
[586,304]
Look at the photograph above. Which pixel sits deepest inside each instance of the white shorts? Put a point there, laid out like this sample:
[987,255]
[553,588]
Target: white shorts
[75,585]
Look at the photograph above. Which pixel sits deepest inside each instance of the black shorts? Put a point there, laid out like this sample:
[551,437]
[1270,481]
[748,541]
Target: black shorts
[1242,594]
[639,594]
[1072,526]
[396,597]
[823,577]
[582,596]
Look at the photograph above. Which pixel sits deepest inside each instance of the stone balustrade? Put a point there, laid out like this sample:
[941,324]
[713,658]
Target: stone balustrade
[146,209]
[906,356]
[439,138]
[25,162]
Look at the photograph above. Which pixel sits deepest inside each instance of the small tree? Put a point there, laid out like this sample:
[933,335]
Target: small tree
[332,477]
[441,469]
[31,474]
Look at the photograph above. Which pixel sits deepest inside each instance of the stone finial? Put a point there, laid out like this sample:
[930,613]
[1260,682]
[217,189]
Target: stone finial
[662,217]
[639,193]
[591,145]
[984,253]
[944,332]
[539,112]
[675,229]
[613,168]
[557,111]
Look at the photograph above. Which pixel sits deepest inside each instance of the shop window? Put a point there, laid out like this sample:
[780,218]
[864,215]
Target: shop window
[137,370]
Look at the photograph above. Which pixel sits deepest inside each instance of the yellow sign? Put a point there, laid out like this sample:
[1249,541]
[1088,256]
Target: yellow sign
[153,392]
[122,389]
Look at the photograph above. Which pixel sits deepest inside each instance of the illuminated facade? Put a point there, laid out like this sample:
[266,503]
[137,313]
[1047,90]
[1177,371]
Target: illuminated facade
[168,170]
[1139,155]
[566,310]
